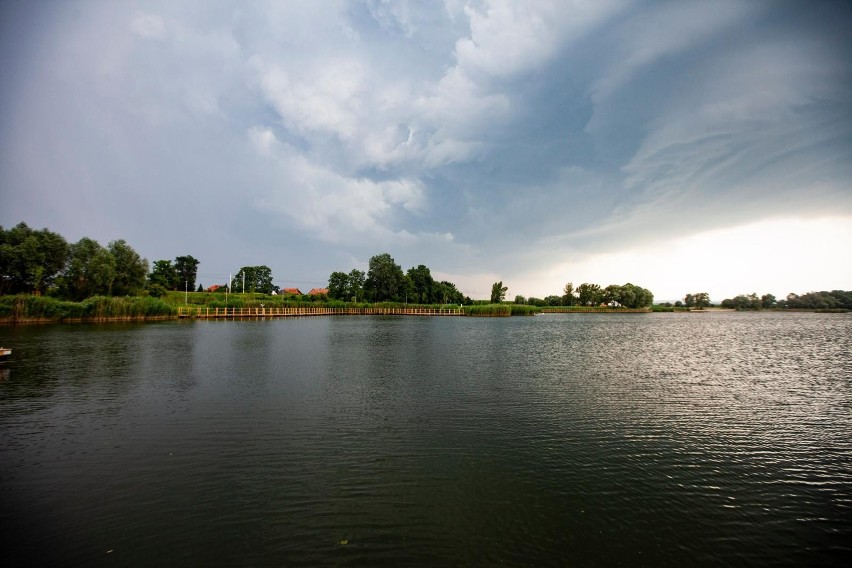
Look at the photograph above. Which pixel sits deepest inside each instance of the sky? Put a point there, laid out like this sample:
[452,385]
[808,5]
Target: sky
[683,146]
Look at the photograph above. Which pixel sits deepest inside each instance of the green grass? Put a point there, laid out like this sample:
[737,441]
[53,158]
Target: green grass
[22,308]
[98,307]
[488,310]
[524,310]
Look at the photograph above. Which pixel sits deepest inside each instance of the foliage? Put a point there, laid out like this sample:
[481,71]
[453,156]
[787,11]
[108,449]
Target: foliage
[820,300]
[179,275]
[742,302]
[343,286]
[698,300]
[568,294]
[835,299]
[501,310]
[96,307]
[186,270]
[422,284]
[130,270]
[30,260]
[498,292]
[156,291]
[163,274]
[447,293]
[524,310]
[90,270]
[489,310]
[253,279]
[385,280]
[589,294]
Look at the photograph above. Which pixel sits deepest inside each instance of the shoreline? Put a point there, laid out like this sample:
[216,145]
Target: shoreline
[276,313]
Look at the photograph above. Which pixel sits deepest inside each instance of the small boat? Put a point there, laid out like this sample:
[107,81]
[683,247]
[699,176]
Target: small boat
[5,354]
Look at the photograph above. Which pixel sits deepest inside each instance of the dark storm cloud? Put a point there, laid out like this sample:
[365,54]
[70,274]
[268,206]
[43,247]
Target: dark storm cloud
[468,136]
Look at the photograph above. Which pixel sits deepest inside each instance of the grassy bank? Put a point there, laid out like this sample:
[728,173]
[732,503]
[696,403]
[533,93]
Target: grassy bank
[592,309]
[42,308]
[500,310]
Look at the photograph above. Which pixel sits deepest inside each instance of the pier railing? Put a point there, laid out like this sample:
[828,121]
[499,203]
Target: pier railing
[204,312]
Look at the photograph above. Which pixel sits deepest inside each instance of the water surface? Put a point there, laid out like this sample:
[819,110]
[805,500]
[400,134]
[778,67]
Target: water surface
[563,439]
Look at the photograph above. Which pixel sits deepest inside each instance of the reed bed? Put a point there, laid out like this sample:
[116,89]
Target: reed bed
[34,308]
[524,310]
[488,310]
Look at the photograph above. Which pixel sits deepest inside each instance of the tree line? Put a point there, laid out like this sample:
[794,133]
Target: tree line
[824,300]
[589,294]
[385,281]
[42,262]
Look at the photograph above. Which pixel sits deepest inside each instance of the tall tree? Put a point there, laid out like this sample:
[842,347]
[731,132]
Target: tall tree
[568,294]
[164,274]
[588,294]
[385,279]
[30,260]
[698,300]
[338,286]
[498,292]
[422,284]
[130,270]
[356,284]
[449,294]
[253,279]
[186,268]
[90,270]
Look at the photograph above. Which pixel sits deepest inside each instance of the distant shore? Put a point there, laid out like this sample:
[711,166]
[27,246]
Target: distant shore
[22,309]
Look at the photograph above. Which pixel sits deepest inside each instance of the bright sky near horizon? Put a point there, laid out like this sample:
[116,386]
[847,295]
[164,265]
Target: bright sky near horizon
[684,146]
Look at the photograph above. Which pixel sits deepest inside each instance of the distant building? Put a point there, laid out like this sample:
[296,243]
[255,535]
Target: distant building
[318,292]
[213,288]
[291,291]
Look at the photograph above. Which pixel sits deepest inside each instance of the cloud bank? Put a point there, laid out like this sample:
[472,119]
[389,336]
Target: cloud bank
[484,139]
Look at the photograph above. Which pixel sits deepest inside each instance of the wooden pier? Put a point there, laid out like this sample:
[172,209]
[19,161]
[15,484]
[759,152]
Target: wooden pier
[210,313]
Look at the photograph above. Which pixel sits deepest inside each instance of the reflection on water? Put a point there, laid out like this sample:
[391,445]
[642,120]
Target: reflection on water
[636,439]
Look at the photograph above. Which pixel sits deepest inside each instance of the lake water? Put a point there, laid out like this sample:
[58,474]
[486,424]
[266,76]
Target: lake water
[595,439]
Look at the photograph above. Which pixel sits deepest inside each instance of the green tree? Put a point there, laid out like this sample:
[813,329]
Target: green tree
[498,292]
[742,302]
[767,301]
[89,271]
[339,286]
[568,294]
[698,300]
[30,260]
[614,294]
[130,270]
[589,294]
[356,284]
[186,270]
[422,285]
[253,279]
[385,279]
[163,274]
[446,293]
[633,296]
